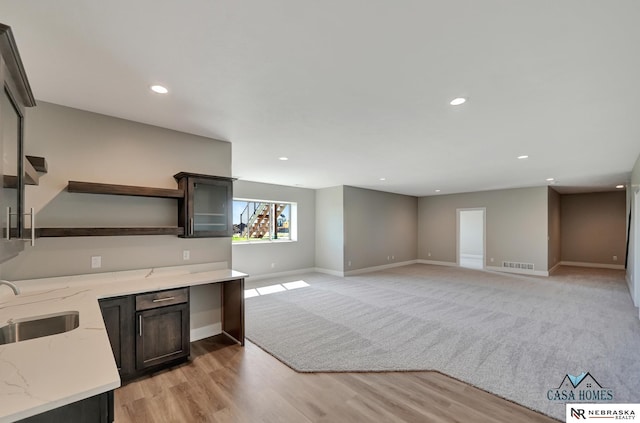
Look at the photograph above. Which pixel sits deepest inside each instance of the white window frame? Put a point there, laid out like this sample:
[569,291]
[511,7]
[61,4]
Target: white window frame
[293,223]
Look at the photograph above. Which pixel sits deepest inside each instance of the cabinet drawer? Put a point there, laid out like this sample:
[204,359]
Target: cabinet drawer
[162,298]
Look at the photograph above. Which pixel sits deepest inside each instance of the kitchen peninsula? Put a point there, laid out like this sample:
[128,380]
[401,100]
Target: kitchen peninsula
[53,371]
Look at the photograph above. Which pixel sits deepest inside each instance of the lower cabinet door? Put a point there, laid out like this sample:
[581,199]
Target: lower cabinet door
[162,335]
[118,317]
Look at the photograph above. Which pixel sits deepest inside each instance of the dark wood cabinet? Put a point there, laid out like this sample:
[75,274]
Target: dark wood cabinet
[118,316]
[15,96]
[163,335]
[205,210]
[147,331]
[96,409]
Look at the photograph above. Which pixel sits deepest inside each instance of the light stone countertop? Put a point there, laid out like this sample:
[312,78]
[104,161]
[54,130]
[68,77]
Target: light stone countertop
[41,374]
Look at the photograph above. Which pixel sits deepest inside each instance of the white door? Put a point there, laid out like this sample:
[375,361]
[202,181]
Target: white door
[471,242]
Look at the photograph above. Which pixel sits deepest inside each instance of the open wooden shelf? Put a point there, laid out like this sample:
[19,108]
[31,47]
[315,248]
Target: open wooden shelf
[126,231]
[38,163]
[32,166]
[111,189]
[128,190]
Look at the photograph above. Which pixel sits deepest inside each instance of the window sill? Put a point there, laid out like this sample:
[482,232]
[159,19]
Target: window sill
[277,241]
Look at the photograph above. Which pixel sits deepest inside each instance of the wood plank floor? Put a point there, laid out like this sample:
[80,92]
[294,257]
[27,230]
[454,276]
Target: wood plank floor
[228,383]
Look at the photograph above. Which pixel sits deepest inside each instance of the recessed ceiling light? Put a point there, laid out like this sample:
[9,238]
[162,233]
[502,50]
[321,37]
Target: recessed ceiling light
[284,159]
[619,186]
[159,89]
[458,101]
[550,179]
[437,190]
[523,157]
[383,179]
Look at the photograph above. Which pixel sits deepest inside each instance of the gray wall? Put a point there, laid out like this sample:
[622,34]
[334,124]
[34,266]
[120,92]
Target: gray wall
[593,227]
[330,229]
[256,258]
[554,256]
[85,146]
[471,230]
[380,228]
[516,225]
[633,265]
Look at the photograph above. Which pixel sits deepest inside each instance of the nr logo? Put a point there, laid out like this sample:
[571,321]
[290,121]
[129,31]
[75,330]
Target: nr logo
[577,413]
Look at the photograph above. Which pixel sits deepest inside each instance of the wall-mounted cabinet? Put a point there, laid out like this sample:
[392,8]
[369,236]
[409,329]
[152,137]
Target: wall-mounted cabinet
[205,210]
[15,96]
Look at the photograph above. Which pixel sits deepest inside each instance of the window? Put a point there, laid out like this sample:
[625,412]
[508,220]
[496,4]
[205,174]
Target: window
[255,220]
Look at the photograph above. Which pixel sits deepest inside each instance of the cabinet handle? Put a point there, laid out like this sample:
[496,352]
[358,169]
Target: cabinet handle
[191,226]
[33,226]
[159,300]
[8,234]
[140,325]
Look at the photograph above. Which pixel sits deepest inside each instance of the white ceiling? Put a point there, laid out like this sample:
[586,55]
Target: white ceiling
[355,90]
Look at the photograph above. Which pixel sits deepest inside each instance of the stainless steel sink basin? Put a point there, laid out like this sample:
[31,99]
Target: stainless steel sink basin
[38,326]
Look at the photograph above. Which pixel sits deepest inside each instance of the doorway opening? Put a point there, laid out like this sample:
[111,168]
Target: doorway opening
[635,249]
[471,238]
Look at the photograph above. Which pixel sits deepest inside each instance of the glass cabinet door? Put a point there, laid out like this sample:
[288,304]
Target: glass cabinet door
[15,96]
[206,208]
[210,203]
[11,166]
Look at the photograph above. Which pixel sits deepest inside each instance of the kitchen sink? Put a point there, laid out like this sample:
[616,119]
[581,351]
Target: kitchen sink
[17,330]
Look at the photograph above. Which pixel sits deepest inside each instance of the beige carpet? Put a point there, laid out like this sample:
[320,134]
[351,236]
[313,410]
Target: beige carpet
[515,336]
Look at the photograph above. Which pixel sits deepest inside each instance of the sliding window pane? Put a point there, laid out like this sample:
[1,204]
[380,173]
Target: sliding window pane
[259,221]
[282,221]
[240,219]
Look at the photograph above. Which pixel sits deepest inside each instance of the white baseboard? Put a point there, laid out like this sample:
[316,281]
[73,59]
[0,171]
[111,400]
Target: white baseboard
[594,265]
[280,274]
[554,268]
[329,271]
[518,271]
[376,268]
[636,301]
[197,334]
[437,263]
[472,256]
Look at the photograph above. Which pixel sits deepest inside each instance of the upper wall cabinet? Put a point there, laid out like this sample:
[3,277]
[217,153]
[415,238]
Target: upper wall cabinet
[14,97]
[205,210]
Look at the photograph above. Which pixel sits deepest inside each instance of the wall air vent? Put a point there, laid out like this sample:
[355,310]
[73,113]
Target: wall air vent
[516,265]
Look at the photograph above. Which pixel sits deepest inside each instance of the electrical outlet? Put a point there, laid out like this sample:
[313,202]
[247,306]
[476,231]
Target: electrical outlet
[388,258]
[393,257]
[429,254]
[273,265]
[615,258]
[491,259]
[186,255]
[96,262]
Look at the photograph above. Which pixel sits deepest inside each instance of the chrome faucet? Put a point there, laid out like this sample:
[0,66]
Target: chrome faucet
[11,285]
